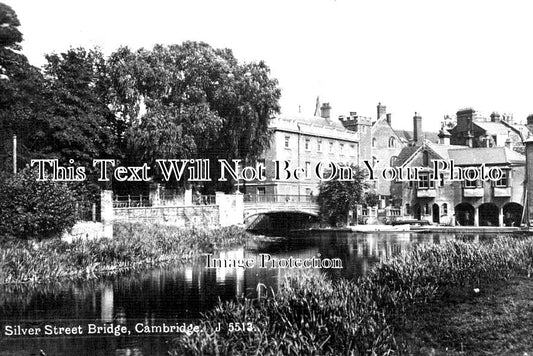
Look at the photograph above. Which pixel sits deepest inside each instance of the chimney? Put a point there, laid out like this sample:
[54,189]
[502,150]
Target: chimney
[382,110]
[494,117]
[444,137]
[389,118]
[417,128]
[325,110]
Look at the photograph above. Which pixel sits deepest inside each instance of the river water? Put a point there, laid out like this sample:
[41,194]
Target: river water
[174,294]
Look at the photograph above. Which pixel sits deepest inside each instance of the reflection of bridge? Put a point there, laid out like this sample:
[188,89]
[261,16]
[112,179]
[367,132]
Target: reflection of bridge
[261,204]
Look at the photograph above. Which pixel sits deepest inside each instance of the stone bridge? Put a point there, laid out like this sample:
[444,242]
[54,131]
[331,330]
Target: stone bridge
[262,204]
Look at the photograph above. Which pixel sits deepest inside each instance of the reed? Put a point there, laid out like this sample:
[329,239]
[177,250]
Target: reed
[314,315]
[133,246]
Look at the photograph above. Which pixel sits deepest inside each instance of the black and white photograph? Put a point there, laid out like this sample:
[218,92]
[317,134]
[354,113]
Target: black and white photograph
[230,177]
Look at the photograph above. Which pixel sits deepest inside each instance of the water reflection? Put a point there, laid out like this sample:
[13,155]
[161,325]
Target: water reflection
[179,292]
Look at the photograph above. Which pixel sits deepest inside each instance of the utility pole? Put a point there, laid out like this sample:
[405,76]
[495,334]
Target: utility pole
[14,154]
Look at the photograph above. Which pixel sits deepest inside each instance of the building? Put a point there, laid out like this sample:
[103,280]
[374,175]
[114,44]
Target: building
[304,141]
[464,202]
[473,130]
[381,143]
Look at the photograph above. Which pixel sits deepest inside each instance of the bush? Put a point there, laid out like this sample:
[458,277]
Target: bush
[32,209]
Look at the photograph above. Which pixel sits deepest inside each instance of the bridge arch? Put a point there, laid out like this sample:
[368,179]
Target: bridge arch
[281,220]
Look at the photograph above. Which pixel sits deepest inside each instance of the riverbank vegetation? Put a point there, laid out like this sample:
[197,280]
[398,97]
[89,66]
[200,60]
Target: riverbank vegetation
[315,315]
[133,246]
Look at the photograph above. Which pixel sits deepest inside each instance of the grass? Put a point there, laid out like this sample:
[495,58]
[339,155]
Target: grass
[495,321]
[316,316]
[136,245]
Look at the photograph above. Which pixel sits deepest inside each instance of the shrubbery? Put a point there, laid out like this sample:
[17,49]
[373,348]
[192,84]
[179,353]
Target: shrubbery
[32,209]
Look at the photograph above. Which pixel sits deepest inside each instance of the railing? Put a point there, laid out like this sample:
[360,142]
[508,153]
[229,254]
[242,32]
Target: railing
[248,198]
[204,200]
[131,201]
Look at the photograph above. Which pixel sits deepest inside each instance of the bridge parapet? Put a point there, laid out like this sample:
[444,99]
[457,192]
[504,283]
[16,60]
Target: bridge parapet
[260,204]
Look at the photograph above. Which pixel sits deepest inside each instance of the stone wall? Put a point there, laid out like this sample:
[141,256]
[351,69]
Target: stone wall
[227,210]
[185,216]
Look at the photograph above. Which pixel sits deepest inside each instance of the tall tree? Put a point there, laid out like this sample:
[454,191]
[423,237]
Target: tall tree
[195,100]
[78,125]
[21,87]
[337,197]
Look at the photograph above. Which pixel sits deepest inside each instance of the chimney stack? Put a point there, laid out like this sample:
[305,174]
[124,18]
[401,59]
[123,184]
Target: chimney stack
[382,111]
[494,117]
[417,128]
[325,110]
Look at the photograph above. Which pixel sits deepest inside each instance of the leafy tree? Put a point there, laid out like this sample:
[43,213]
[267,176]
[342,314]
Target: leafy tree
[197,102]
[32,209]
[371,199]
[21,90]
[78,124]
[336,198]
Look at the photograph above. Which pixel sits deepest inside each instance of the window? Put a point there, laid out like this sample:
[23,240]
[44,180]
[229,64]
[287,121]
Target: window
[307,144]
[392,142]
[287,141]
[330,147]
[407,209]
[424,182]
[261,191]
[471,183]
[444,209]
[426,209]
[411,184]
[374,142]
[425,159]
[319,146]
[503,182]
[393,160]
[307,169]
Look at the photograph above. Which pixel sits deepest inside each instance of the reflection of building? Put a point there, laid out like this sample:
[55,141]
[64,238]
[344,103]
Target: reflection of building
[304,141]
[471,203]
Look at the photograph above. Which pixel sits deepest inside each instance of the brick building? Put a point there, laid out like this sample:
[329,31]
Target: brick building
[465,203]
[304,141]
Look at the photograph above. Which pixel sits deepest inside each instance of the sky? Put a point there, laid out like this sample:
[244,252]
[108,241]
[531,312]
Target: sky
[431,57]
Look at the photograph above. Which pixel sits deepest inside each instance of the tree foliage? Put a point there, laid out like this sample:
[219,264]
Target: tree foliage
[191,100]
[186,100]
[32,209]
[336,198]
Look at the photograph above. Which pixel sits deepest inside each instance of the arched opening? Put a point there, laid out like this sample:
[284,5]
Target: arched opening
[464,214]
[436,213]
[416,211]
[488,214]
[512,214]
[392,142]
